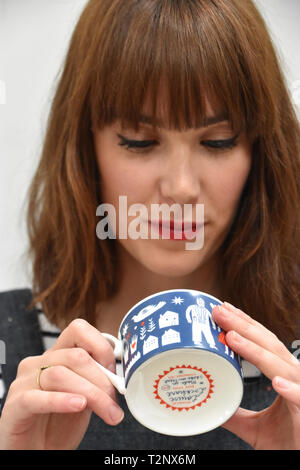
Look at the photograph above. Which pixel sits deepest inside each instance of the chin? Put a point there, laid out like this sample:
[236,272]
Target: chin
[172,266]
[165,262]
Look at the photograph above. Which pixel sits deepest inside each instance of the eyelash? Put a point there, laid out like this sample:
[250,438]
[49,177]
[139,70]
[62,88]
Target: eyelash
[144,145]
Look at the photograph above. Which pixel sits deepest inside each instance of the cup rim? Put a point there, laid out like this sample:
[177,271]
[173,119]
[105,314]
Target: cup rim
[159,293]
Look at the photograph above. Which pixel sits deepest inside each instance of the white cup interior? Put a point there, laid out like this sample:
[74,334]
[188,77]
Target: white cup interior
[148,402]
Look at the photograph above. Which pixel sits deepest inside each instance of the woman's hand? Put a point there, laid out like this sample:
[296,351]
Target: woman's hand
[57,416]
[277,427]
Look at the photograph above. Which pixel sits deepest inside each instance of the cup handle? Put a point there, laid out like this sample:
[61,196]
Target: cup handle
[116,344]
[118,382]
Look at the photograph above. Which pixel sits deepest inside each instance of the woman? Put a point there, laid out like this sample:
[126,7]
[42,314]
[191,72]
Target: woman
[163,102]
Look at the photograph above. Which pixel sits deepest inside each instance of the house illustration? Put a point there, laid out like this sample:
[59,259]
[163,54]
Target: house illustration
[168,319]
[150,344]
[170,336]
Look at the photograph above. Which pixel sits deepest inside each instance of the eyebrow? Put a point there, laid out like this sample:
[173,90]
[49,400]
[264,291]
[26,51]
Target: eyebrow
[209,120]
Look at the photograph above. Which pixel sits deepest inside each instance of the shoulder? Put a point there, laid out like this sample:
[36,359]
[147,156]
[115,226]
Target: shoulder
[16,318]
[19,333]
[13,300]
[16,315]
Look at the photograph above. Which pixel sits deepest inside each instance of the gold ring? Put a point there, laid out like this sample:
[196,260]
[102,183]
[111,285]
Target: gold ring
[39,376]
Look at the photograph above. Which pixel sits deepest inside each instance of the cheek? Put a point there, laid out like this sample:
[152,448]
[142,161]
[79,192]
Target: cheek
[123,179]
[230,183]
[233,185]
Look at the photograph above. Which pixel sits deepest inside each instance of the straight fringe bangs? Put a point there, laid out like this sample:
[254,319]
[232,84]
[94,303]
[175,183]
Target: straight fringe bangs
[185,51]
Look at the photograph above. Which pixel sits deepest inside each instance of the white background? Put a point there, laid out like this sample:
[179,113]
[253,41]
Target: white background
[34,37]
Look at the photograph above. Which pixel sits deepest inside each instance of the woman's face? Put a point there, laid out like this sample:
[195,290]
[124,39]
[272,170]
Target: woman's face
[207,166]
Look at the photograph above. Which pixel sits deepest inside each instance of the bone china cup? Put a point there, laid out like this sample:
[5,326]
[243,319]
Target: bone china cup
[180,378]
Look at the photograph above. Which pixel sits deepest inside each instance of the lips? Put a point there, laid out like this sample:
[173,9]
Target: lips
[179,226]
[178,230]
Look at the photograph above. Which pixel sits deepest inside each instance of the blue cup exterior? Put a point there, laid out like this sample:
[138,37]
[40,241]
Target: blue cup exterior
[170,320]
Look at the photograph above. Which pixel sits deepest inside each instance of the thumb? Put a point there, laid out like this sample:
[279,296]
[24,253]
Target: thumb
[244,425]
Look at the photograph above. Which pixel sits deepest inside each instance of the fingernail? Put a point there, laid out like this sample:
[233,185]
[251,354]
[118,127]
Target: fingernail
[237,338]
[77,403]
[282,383]
[223,310]
[231,307]
[116,413]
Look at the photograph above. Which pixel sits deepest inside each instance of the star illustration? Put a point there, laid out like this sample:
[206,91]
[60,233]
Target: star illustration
[177,300]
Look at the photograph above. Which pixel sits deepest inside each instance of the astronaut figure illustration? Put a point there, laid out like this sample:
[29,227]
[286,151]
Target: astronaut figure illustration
[200,318]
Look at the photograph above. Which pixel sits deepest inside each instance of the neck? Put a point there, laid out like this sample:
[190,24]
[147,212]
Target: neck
[137,282]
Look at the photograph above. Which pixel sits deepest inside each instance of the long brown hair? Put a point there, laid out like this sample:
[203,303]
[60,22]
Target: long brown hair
[118,55]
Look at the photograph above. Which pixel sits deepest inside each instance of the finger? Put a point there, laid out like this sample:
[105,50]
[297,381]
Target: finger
[79,361]
[288,390]
[267,362]
[62,379]
[244,425]
[32,402]
[81,334]
[242,314]
[231,318]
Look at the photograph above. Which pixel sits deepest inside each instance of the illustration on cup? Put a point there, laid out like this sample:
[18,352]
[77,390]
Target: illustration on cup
[183,387]
[168,323]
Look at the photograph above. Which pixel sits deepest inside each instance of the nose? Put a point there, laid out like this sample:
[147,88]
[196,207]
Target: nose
[180,181]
